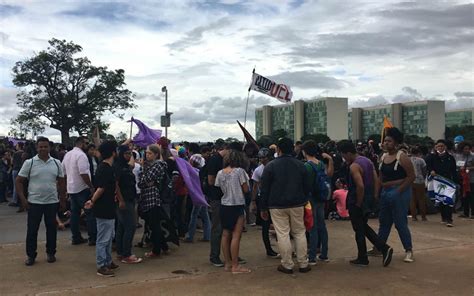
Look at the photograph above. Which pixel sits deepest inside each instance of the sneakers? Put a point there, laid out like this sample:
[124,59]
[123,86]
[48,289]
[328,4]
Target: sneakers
[281,268]
[29,261]
[387,257]
[449,224]
[51,258]
[217,262]
[312,262]
[409,257]
[323,259]
[374,253]
[113,266]
[105,272]
[131,260]
[359,262]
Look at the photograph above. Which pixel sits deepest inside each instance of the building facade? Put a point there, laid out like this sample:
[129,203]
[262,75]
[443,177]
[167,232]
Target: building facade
[461,117]
[320,116]
[331,116]
[421,118]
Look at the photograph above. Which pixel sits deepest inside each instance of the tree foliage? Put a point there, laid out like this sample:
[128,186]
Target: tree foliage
[466,131]
[279,133]
[265,141]
[68,92]
[414,139]
[22,127]
[318,138]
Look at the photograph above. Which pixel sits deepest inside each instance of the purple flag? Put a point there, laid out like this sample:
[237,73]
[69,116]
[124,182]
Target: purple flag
[192,181]
[146,136]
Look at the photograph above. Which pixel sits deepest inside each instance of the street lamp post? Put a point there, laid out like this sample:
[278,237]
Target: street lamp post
[167,116]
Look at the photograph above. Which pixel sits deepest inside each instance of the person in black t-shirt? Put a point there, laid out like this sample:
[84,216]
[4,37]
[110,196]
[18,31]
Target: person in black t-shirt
[215,164]
[126,225]
[103,206]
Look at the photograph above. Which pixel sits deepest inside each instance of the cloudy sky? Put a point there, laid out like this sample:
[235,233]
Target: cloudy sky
[372,52]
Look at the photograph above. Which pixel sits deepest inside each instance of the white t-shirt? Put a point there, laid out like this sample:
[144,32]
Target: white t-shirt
[257,173]
[231,185]
[136,171]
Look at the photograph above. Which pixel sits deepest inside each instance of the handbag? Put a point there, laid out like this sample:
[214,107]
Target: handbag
[308,216]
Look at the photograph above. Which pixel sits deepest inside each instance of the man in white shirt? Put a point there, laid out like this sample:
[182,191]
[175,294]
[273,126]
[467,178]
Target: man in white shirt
[80,189]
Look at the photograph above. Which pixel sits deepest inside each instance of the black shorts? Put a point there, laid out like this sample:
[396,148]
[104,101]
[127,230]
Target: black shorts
[230,215]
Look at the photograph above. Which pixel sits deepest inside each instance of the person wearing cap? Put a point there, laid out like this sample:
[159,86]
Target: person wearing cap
[457,141]
[285,188]
[443,164]
[198,162]
[264,156]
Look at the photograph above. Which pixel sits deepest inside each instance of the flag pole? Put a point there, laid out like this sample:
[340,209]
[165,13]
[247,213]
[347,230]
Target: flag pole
[131,127]
[247,103]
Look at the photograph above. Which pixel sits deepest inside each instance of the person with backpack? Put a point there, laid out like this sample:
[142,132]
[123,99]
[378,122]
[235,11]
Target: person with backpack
[363,186]
[45,178]
[320,193]
[397,175]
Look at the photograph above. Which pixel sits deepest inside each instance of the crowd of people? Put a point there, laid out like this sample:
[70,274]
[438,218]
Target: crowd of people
[110,187]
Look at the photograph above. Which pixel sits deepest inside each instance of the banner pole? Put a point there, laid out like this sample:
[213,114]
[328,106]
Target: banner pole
[248,96]
[131,127]
[246,109]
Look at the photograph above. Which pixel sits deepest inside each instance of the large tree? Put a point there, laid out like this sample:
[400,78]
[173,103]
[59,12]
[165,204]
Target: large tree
[66,91]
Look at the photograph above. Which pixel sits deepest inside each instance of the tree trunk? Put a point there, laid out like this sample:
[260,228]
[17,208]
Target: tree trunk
[65,137]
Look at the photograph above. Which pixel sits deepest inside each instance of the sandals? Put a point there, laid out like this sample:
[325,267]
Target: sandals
[240,269]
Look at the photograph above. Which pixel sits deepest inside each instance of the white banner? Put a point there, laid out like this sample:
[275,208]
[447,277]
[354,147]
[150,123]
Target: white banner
[264,85]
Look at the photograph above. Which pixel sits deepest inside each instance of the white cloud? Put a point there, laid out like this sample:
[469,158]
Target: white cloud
[204,52]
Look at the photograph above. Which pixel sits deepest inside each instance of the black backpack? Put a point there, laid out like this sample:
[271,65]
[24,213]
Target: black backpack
[166,189]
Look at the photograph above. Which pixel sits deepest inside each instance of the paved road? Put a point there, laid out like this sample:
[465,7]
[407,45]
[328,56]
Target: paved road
[444,266]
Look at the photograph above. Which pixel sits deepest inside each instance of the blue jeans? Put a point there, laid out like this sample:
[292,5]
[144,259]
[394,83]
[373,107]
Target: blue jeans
[14,196]
[126,227]
[77,204]
[319,233]
[203,213]
[105,236]
[394,210]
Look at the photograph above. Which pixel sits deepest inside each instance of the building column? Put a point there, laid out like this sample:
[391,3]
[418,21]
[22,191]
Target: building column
[298,120]
[356,122]
[267,120]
